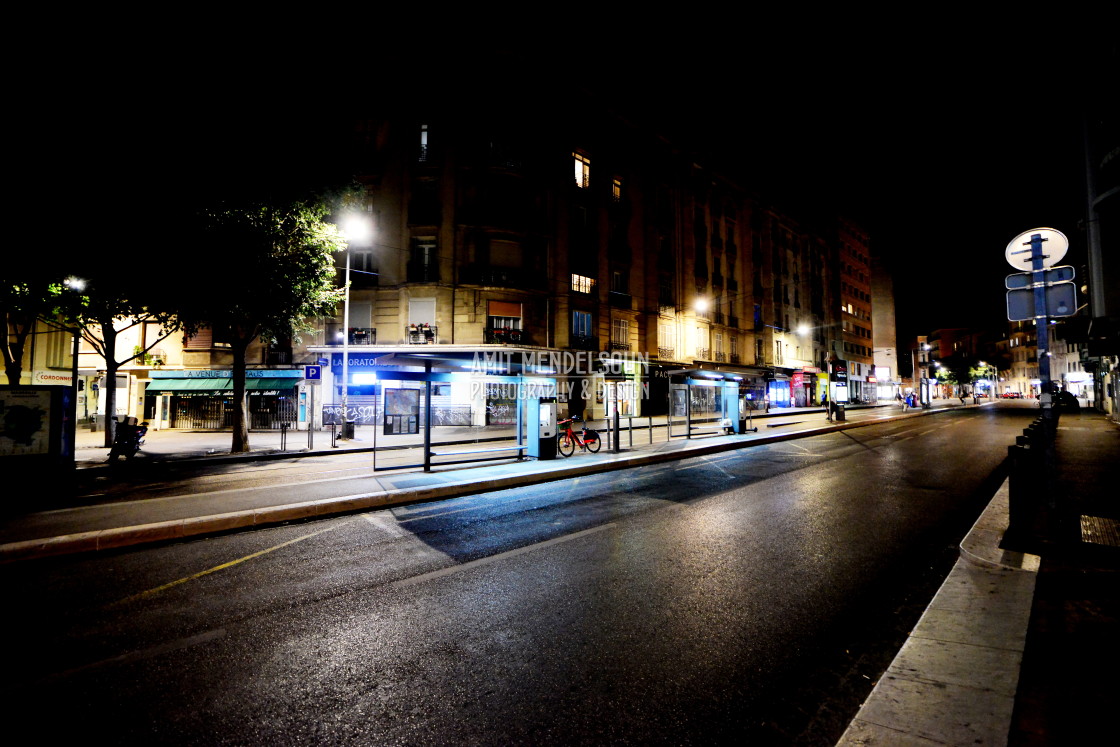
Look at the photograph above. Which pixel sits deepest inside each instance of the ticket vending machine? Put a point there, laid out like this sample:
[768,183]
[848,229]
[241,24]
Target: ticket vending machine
[541,427]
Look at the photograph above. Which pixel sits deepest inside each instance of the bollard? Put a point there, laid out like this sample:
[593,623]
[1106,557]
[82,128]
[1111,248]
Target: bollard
[1022,500]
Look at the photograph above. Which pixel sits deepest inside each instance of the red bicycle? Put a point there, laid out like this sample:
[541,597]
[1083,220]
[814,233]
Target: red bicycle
[567,439]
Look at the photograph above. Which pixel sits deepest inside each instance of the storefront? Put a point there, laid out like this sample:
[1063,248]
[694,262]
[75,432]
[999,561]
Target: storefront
[203,399]
[779,389]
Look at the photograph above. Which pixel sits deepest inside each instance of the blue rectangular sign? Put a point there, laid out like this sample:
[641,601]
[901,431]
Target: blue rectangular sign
[313,373]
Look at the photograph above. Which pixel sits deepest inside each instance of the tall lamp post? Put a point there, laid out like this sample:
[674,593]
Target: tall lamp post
[357,230]
[77,285]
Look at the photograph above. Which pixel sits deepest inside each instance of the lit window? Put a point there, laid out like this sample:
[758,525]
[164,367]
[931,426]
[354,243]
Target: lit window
[616,190]
[423,143]
[583,170]
[582,284]
[620,331]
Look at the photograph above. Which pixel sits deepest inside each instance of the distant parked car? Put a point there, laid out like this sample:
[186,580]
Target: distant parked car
[1066,401]
[1012,395]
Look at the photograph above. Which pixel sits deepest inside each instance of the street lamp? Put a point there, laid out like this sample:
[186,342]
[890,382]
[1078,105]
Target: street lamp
[993,380]
[916,376]
[356,229]
[77,285]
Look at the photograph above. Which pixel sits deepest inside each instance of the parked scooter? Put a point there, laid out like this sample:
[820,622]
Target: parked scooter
[128,439]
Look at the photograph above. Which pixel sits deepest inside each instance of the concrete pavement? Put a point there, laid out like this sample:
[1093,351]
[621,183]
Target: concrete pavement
[972,672]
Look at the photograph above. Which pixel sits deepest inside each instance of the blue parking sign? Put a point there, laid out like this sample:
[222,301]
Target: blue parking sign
[313,373]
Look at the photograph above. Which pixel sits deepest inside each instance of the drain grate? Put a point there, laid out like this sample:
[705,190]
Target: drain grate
[1100,531]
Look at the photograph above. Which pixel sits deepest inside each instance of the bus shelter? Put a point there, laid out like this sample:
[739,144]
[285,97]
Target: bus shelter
[398,411]
[707,401]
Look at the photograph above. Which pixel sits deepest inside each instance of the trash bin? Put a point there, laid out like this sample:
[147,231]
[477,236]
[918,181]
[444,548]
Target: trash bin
[348,429]
[838,413]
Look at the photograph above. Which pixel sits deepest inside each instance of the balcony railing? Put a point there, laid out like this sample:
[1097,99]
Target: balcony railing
[358,335]
[721,357]
[702,354]
[584,342]
[421,334]
[667,353]
[734,358]
[619,300]
[504,336]
[619,345]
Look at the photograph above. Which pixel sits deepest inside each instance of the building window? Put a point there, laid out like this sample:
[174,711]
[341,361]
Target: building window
[620,334]
[616,190]
[666,337]
[758,347]
[423,155]
[59,349]
[583,170]
[504,315]
[423,263]
[778,358]
[582,284]
[620,282]
[581,323]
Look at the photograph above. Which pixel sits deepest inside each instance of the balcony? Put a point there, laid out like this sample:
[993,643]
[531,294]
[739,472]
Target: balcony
[667,353]
[702,354]
[421,334]
[734,359]
[504,336]
[721,357]
[619,300]
[620,345]
[499,277]
[583,342]
[733,321]
[358,335]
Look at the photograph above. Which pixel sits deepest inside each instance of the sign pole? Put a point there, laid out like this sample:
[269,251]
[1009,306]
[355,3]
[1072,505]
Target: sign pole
[1042,326]
[311,421]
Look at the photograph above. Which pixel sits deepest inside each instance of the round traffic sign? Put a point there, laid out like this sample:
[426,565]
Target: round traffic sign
[1054,246]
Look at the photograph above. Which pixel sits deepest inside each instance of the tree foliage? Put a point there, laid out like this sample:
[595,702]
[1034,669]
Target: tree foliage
[26,295]
[275,273]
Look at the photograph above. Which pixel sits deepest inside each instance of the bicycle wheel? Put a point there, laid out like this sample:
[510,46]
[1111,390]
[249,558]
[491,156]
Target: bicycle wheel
[565,445]
[591,441]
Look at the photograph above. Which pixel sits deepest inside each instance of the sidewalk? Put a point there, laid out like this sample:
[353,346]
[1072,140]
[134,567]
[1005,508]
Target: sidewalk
[1010,645]
[1017,649]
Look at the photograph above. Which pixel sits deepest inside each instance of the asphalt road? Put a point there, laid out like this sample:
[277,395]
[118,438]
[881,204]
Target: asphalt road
[750,595]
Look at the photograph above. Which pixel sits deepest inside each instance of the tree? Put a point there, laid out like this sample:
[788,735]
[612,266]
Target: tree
[277,272]
[110,302]
[26,296]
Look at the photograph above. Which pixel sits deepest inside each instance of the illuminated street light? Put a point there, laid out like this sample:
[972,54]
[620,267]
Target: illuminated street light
[356,229]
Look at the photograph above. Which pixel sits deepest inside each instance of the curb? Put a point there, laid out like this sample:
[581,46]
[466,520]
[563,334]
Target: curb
[109,539]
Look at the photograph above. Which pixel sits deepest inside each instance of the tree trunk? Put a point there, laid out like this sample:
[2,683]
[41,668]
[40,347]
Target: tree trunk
[240,408]
[109,391]
[14,347]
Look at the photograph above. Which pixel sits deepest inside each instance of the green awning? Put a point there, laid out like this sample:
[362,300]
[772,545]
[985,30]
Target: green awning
[188,385]
[156,386]
[270,382]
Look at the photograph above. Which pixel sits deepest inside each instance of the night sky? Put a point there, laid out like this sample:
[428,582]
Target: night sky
[942,148]
[944,141]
